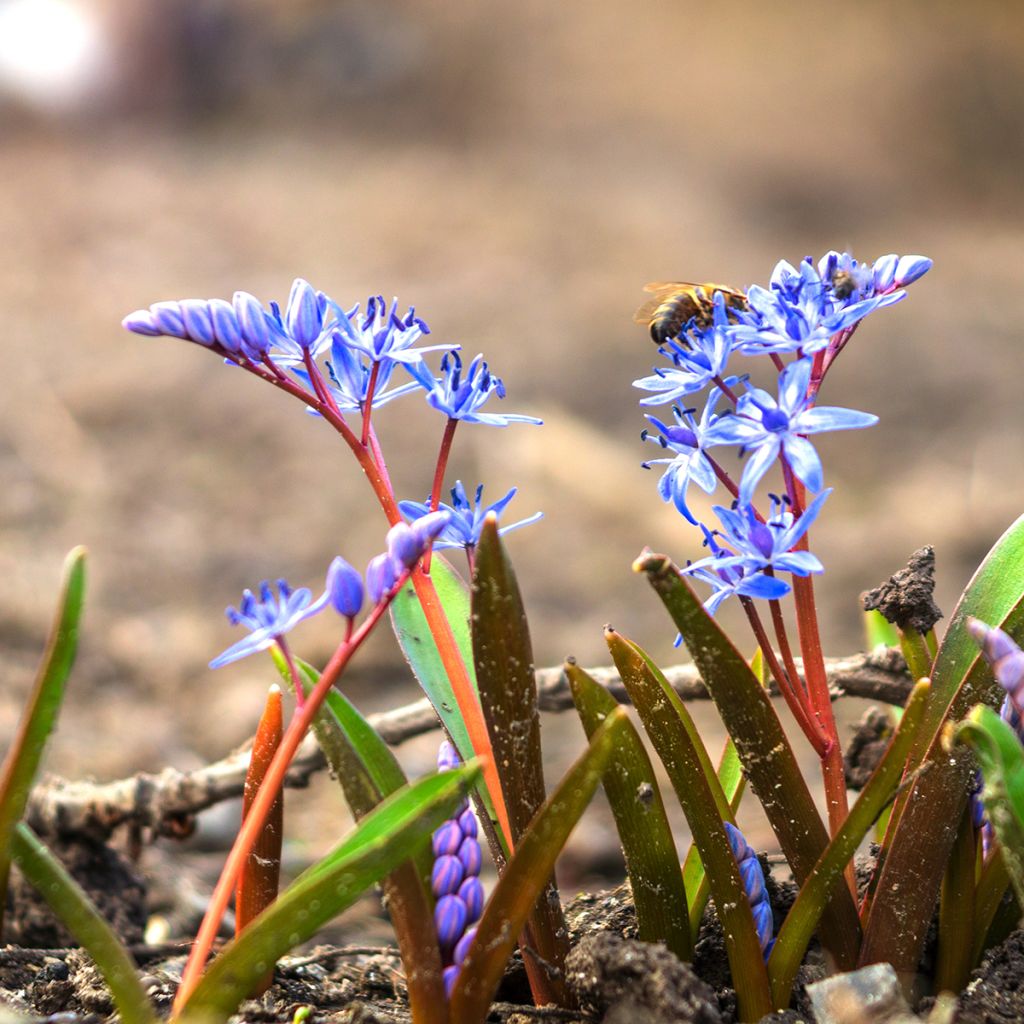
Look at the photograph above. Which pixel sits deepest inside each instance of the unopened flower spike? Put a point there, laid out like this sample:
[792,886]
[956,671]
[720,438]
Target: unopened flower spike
[752,875]
[1006,658]
[768,427]
[697,360]
[455,879]
[465,518]
[460,396]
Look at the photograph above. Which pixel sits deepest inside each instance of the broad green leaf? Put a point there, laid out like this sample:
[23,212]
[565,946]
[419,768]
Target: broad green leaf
[40,714]
[705,806]
[802,919]
[924,823]
[387,835]
[764,750]
[526,874]
[1001,757]
[420,650]
[652,862]
[368,771]
[76,912]
[503,660]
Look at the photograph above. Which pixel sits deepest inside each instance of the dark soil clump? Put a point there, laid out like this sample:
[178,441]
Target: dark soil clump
[995,993]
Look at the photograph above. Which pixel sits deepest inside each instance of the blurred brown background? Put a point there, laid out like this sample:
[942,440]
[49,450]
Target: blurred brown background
[517,171]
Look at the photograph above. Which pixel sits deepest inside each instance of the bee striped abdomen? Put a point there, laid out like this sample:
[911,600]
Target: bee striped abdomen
[675,303]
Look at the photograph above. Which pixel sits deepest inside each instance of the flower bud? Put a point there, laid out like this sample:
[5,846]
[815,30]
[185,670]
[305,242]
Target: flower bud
[252,319]
[450,918]
[196,316]
[404,545]
[303,317]
[167,316]
[141,322]
[471,892]
[381,576]
[462,947]
[910,268]
[884,272]
[447,839]
[447,875]
[225,325]
[345,586]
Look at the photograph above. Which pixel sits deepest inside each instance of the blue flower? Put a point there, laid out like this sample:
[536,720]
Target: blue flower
[268,617]
[697,359]
[687,438]
[770,428]
[752,876]
[799,313]
[465,518]
[1006,660]
[460,397]
[381,335]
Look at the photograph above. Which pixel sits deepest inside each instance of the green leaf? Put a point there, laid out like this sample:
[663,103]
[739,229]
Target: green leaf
[503,659]
[76,912]
[389,834]
[999,752]
[879,632]
[652,862]
[40,715]
[705,806]
[802,919]
[924,822]
[368,771]
[420,650]
[764,750]
[526,874]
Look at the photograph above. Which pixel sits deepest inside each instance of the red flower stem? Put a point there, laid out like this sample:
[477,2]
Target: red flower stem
[777,360]
[782,636]
[378,458]
[262,805]
[725,389]
[787,688]
[371,387]
[724,477]
[439,471]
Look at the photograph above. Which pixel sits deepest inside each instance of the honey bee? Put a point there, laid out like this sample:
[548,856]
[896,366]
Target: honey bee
[674,303]
[843,284]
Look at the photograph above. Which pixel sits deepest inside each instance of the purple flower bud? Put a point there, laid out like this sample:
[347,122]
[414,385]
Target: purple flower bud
[753,879]
[427,528]
[471,892]
[467,822]
[167,316]
[740,848]
[764,923]
[447,756]
[447,875]
[381,576]
[404,545]
[447,839]
[462,947]
[470,855]
[345,586]
[252,319]
[303,315]
[450,975]
[196,315]
[141,322]
[225,324]
[910,268]
[884,272]
[450,919]
[1005,657]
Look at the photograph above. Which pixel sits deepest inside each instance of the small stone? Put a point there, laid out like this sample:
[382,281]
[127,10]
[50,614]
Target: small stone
[871,995]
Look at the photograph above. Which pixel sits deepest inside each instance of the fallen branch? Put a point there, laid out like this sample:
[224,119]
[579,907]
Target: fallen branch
[166,802]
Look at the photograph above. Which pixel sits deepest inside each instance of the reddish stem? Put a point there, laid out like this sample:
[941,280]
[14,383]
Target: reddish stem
[725,389]
[439,470]
[371,388]
[779,623]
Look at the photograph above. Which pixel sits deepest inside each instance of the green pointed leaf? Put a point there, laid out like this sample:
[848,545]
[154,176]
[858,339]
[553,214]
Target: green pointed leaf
[763,747]
[526,874]
[706,807]
[420,650]
[389,834]
[652,862]
[1001,757]
[368,771]
[503,659]
[76,912]
[40,715]
[923,826]
[802,919]
[879,632]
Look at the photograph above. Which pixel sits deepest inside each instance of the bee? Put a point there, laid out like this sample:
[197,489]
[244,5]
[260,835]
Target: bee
[843,284]
[674,303]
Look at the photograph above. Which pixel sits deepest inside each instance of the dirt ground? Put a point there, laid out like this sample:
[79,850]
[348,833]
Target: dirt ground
[517,172]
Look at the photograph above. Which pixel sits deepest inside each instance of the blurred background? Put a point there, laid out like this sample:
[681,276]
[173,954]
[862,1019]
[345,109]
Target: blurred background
[518,172]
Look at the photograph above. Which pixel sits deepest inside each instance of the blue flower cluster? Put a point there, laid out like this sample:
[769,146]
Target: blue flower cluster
[800,323]
[269,617]
[455,879]
[361,350]
[752,875]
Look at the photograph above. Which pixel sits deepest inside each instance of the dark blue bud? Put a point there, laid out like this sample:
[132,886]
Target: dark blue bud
[763,923]
[753,879]
[462,947]
[740,849]
[381,576]
[447,839]
[141,322]
[467,822]
[345,586]
[470,855]
[471,892]
[910,268]
[303,316]
[404,545]
[196,315]
[447,875]
[167,316]
[226,329]
[450,919]
[450,975]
